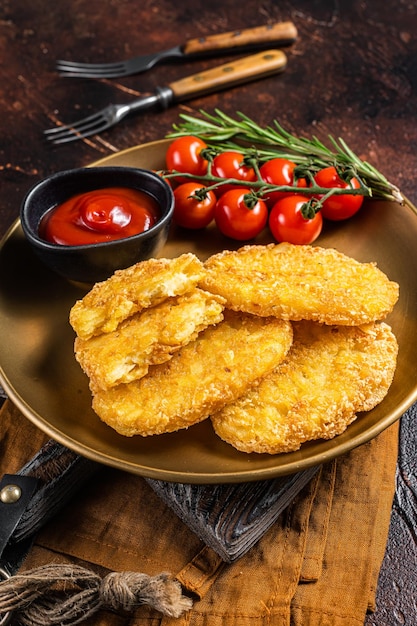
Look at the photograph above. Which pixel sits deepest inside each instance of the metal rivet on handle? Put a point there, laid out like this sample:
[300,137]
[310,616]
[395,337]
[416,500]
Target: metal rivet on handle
[10,494]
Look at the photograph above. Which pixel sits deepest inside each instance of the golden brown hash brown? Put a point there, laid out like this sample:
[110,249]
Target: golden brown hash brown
[329,374]
[300,282]
[147,338]
[201,378]
[130,290]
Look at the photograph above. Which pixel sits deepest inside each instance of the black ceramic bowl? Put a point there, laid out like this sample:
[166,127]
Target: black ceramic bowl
[97,261]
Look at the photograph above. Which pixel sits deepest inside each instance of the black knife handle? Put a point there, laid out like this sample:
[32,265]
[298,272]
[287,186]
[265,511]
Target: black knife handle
[60,473]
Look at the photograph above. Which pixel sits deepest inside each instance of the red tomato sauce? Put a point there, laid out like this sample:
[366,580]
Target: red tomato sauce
[99,216]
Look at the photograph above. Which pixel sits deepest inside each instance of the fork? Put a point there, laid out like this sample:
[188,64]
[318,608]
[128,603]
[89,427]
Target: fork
[280,33]
[236,72]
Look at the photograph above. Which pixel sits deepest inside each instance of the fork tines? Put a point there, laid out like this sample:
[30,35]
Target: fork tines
[91,70]
[90,125]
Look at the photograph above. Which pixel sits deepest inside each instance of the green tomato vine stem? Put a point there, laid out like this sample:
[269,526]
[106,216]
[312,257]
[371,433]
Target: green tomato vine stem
[259,190]
[211,183]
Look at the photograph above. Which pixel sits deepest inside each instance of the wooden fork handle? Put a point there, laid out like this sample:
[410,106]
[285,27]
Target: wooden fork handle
[230,74]
[280,33]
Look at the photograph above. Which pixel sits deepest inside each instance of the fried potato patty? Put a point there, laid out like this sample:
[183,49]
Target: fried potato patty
[329,374]
[201,378]
[130,290]
[147,338]
[300,282]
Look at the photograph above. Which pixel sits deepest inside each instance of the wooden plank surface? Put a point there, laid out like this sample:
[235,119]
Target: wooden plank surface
[231,518]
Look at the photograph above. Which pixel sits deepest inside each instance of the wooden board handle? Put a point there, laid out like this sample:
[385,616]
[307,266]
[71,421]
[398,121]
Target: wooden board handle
[280,33]
[236,72]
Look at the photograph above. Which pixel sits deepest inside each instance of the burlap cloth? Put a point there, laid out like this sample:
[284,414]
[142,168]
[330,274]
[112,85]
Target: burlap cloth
[317,565]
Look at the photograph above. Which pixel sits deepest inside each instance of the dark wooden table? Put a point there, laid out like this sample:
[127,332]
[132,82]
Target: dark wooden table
[352,73]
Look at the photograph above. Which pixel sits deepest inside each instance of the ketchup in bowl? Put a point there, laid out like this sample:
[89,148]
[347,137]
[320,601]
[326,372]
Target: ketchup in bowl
[98,216]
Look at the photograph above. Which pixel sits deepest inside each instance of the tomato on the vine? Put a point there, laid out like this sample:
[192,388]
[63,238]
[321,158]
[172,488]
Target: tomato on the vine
[279,172]
[184,155]
[338,207]
[192,212]
[287,222]
[237,219]
[230,164]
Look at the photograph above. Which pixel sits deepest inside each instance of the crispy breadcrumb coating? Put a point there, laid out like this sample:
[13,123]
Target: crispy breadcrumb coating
[329,374]
[201,378]
[300,282]
[130,290]
[147,338]
[168,343]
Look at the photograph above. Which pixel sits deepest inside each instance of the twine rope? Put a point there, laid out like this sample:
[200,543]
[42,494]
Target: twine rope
[64,595]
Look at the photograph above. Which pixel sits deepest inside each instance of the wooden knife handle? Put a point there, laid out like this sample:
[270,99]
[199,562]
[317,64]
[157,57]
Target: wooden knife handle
[233,73]
[270,35]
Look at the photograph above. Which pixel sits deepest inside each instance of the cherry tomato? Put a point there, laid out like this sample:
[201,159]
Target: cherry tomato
[287,222]
[184,155]
[230,164]
[338,207]
[234,219]
[279,172]
[190,212]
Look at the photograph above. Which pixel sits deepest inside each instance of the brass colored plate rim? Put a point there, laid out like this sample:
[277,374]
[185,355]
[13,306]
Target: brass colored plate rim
[40,375]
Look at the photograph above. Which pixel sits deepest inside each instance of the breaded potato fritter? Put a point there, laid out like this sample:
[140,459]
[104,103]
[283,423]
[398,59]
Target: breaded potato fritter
[201,378]
[147,338]
[329,374]
[300,282]
[130,290]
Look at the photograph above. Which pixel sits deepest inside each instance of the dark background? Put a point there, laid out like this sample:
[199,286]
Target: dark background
[352,73]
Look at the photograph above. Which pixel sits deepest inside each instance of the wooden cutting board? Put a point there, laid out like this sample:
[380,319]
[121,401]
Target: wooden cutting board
[230,518]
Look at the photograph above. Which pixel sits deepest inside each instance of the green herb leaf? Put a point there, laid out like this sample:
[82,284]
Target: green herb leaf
[221,131]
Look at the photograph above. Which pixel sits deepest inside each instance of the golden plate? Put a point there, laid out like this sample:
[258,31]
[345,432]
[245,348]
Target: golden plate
[40,374]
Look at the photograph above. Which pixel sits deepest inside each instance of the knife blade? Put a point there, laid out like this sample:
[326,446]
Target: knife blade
[260,37]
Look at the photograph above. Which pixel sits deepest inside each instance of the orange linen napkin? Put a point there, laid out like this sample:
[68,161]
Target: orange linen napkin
[317,565]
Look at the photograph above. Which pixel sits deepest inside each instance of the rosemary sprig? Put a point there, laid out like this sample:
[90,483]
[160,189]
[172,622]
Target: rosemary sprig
[245,135]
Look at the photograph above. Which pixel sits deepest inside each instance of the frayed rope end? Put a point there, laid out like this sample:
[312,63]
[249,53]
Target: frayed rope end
[59,594]
[127,590]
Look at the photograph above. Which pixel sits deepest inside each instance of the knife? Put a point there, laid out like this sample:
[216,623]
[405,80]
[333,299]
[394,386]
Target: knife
[260,37]
[32,496]
[228,75]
